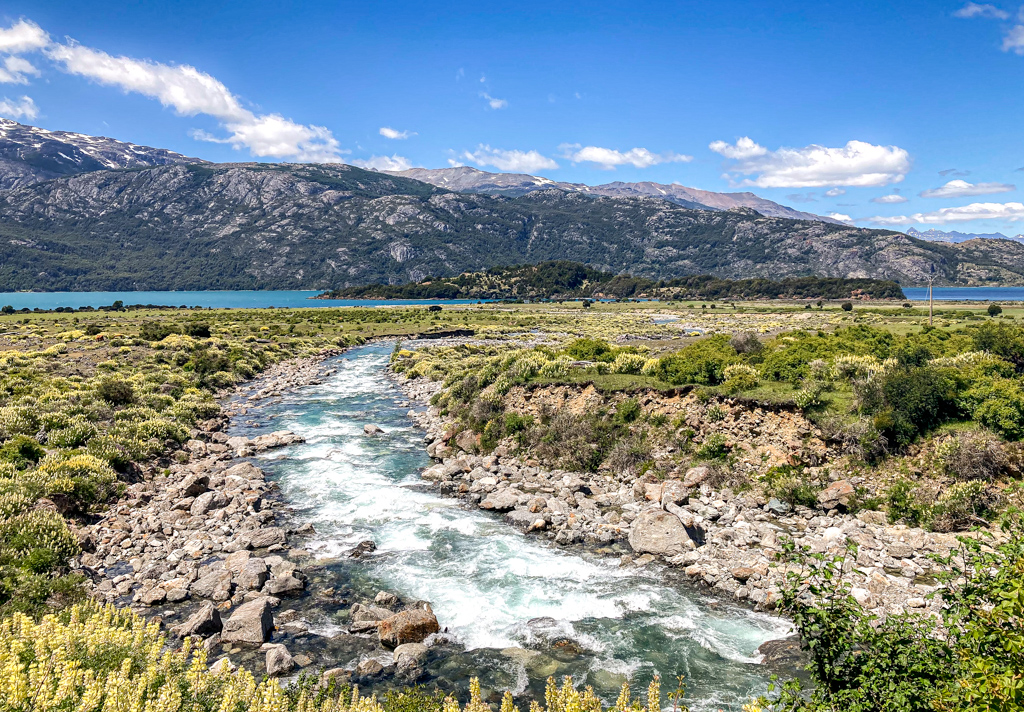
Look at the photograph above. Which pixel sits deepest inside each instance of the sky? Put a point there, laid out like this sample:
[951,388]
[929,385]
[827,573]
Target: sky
[884,114]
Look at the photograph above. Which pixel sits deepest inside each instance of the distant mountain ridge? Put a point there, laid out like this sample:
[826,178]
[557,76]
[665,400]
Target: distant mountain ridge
[29,154]
[472,180]
[934,235]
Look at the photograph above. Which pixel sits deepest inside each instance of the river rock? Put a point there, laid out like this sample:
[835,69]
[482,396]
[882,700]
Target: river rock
[385,598]
[279,661]
[250,623]
[215,585]
[372,430]
[253,576]
[837,495]
[369,668]
[407,627]
[658,532]
[195,485]
[500,501]
[695,476]
[409,654]
[778,507]
[205,621]
[286,586]
[785,653]
[269,536]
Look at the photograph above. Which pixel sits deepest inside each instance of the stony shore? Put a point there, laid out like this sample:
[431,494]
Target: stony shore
[197,546]
[725,542]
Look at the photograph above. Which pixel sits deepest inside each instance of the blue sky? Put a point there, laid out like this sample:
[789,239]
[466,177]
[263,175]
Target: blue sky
[894,114]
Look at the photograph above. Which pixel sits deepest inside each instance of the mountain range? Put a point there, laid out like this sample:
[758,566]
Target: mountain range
[934,235]
[472,180]
[88,213]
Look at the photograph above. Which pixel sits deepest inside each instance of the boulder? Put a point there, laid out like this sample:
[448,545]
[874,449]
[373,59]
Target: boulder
[250,623]
[279,661]
[286,586]
[195,485]
[369,613]
[372,430]
[268,536]
[407,627]
[467,440]
[386,598]
[778,507]
[500,501]
[362,549]
[369,668]
[206,621]
[656,531]
[202,504]
[407,655]
[695,476]
[252,576]
[215,585]
[837,495]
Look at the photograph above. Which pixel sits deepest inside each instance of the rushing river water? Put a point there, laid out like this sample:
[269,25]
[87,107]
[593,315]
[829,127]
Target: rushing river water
[523,609]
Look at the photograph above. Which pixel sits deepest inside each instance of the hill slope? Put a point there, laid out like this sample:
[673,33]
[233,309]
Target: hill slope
[234,226]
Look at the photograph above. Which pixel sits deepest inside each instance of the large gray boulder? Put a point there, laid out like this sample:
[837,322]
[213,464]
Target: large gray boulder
[656,531]
[205,621]
[250,623]
[215,585]
[279,661]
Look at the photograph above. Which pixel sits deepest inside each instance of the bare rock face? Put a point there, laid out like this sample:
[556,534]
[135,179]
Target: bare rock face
[250,623]
[407,627]
[658,532]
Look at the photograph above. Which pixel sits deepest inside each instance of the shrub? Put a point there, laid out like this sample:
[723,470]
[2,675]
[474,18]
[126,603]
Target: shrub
[746,342]
[115,391]
[846,306]
[994,310]
[78,432]
[998,404]
[80,479]
[963,505]
[628,411]
[38,540]
[917,399]
[971,456]
[702,362]
[629,363]
[22,451]
[902,504]
[18,421]
[714,447]
[590,350]
[739,377]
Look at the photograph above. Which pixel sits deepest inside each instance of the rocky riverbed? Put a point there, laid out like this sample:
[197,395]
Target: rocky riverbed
[723,541]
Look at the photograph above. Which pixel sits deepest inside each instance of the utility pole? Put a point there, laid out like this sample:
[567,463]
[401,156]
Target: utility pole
[931,302]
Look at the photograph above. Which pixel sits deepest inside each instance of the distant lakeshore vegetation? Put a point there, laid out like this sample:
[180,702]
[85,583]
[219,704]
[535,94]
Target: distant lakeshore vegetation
[562,279]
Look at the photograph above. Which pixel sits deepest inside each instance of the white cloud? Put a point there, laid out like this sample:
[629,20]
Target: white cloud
[892,198]
[492,102]
[15,70]
[455,164]
[388,132]
[514,161]
[609,158]
[23,36]
[841,217]
[1014,40]
[835,192]
[973,9]
[191,92]
[23,108]
[857,163]
[975,211]
[743,149]
[385,163]
[961,188]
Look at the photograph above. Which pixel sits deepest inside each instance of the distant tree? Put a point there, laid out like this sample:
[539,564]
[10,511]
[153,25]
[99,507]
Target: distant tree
[994,310]
[8,309]
[847,306]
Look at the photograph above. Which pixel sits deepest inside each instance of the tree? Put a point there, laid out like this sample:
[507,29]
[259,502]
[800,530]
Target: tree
[847,306]
[8,309]
[994,310]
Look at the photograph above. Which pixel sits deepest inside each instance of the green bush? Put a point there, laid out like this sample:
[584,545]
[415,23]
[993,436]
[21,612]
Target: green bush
[115,390]
[917,399]
[79,480]
[22,451]
[590,350]
[998,404]
[628,411]
[703,362]
[714,447]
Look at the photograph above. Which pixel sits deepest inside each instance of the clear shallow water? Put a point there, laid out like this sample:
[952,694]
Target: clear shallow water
[488,583]
[217,300]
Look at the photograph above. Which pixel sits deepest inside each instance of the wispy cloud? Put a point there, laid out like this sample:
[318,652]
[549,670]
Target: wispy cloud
[384,163]
[857,163]
[961,189]
[890,199]
[388,132]
[973,9]
[493,102]
[508,160]
[835,192]
[953,172]
[609,158]
[975,211]
[23,36]
[23,108]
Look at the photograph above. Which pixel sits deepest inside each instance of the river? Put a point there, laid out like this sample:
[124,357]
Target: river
[522,609]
